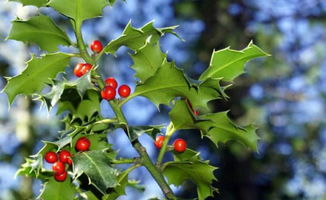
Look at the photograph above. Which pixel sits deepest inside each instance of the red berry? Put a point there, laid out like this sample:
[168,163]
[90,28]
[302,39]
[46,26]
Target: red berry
[77,69]
[196,112]
[108,93]
[111,82]
[51,157]
[82,68]
[180,145]
[65,157]
[159,141]
[124,91]
[83,144]
[58,167]
[96,46]
[86,68]
[60,177]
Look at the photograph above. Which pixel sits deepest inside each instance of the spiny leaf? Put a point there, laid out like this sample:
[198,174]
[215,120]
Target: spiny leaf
[188,166]
[40,30]
[228,63]
[136,38]
[170,82]
[219,128]
[79,10]
[85,109]
[59,88]
[216,126]
[38,72]
[120,189]
[54,190]
[181,117]
[147,60]
[96,165]
[37,3]
[136,131]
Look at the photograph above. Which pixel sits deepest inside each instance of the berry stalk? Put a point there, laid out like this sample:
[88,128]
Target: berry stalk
[169,132]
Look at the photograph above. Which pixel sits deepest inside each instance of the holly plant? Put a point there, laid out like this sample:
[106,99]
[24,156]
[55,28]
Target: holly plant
[84,165]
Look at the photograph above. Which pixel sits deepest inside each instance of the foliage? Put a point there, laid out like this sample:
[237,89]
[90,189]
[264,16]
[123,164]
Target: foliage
[94,173]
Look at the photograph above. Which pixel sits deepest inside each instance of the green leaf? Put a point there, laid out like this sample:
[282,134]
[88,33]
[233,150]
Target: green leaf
[147,60]
[219,128]
[40,30]
[38,72]
[228,63]
[96,165]
[170,82]
[85,108]
[181,116]
[54,190]
[37,3]
[216,126]
[79,10]
[137,131]
[188,166]
[136,38]
[120,189]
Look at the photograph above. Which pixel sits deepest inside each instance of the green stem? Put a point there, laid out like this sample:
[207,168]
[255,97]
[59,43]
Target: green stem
[169,132]
[81,44]
[145,159]
[126,161]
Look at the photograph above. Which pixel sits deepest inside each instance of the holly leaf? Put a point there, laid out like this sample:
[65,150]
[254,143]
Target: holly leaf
[136,131]
[136,38]
[31,167]
[54,190]
[181,116]
[96,165]
[40,30]
[37,3]
[216,126]
[188,166]
[38,72]
[79,10]
[120,189]
[228,63]
[170,82]
[219,128]
[85,108]
[147,60]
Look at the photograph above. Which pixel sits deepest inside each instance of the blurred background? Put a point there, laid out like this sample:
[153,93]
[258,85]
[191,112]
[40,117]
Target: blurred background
[284,95]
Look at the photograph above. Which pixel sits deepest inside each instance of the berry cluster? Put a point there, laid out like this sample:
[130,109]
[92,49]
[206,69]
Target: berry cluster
[109,91]
[179,144]
[60,160]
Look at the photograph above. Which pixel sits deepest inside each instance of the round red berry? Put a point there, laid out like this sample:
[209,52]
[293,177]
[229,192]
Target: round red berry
[96,46]
[86,68]
[58,167]
[78,68]
[124,91]
[83,144]
[180,145]
[159,141]
[108,93]
[51,157]
[196,112]
[60,177]
[111,82]
[65,157]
